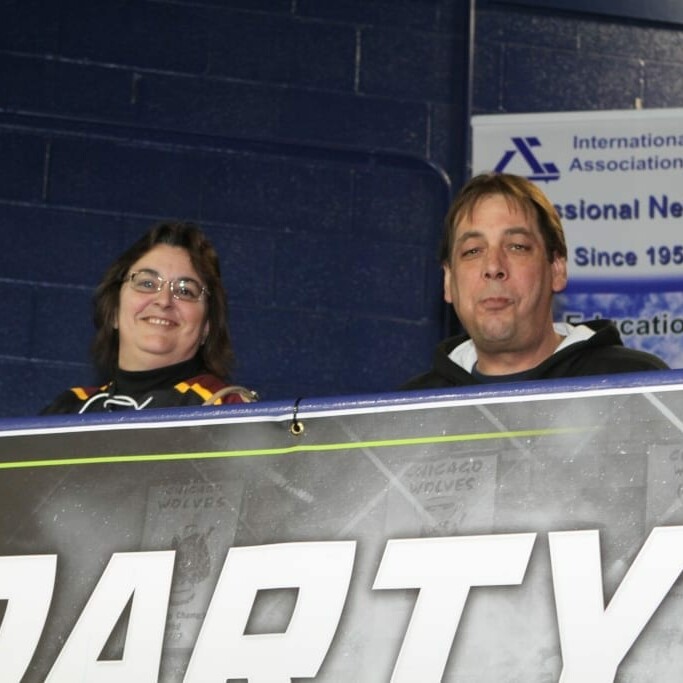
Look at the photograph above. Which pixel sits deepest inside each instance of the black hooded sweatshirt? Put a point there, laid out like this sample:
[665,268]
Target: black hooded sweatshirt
[602,354]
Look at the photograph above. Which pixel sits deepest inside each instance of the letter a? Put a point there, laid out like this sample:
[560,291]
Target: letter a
[147,575]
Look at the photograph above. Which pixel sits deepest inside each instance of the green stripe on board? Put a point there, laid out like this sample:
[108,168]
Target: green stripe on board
[302,448]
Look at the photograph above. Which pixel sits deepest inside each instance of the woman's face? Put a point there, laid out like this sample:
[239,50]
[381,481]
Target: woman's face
[157,329]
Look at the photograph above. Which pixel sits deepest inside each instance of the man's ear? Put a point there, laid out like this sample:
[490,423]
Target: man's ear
[559,273]
[448,298]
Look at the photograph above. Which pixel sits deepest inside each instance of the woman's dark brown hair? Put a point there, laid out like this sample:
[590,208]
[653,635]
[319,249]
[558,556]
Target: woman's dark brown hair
[217,354]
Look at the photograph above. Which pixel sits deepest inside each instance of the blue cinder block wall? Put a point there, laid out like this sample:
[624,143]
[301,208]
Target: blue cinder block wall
[531,59]
[316,141]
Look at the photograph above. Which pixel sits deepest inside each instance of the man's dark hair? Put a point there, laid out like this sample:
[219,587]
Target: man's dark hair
[517,190]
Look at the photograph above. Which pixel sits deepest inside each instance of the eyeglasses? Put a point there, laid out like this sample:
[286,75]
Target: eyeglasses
[183,288]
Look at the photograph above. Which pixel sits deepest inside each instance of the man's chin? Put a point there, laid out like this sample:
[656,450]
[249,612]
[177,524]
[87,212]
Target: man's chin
[497,337]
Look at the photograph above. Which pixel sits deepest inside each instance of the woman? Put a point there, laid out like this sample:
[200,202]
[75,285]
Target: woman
[162,335]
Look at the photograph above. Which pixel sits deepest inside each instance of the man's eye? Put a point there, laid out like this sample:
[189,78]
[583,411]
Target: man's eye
[519,247]
[472,251]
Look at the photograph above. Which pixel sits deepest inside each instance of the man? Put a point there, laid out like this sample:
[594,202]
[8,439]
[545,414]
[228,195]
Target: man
[504,256]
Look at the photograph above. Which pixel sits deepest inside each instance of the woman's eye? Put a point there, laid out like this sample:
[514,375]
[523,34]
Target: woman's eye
[189,288]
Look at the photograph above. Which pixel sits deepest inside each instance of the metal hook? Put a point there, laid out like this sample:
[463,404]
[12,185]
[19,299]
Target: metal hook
[296,427]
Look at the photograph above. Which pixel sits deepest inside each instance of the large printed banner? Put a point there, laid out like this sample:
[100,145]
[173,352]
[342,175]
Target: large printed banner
[615,178]
[500,536]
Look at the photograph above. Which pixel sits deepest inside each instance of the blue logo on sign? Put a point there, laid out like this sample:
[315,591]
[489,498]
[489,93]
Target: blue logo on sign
[539,171]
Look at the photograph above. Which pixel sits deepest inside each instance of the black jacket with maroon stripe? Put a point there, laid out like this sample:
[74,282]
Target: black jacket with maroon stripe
[184,384]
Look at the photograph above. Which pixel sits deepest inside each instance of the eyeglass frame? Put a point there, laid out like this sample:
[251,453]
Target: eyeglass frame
[171,284]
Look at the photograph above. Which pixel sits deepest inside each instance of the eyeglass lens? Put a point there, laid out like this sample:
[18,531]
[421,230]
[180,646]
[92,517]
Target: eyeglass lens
[149,281]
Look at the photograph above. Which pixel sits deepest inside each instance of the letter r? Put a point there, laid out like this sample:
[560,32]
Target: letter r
[322,572]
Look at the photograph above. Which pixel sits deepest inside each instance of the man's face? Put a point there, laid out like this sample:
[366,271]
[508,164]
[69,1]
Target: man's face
[499,279]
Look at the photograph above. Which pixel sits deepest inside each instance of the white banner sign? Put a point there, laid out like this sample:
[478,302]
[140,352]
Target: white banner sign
[513,535]
[615,178]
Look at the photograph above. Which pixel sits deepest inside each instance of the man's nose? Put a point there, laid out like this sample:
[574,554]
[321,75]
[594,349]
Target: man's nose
[494,265]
